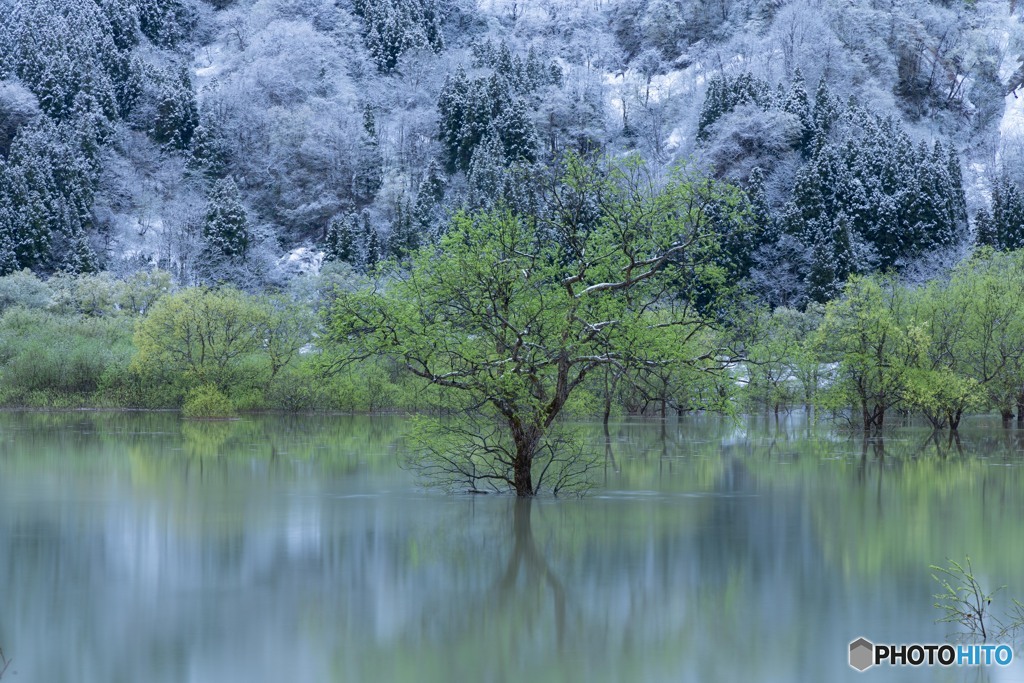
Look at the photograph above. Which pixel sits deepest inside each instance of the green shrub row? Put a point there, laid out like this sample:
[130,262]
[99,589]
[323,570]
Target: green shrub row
[92,341]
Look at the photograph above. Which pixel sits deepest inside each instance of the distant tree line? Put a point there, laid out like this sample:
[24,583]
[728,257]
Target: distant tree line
[941,350]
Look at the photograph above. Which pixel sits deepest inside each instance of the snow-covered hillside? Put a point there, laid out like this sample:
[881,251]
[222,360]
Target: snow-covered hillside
[329,117]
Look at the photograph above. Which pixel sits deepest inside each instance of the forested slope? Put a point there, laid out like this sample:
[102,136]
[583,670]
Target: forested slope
[245,141]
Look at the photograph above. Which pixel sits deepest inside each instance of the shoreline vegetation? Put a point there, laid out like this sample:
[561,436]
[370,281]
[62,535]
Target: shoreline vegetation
[940,350]
[620,296]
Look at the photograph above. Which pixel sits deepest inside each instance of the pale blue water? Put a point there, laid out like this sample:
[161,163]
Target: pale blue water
[144,548]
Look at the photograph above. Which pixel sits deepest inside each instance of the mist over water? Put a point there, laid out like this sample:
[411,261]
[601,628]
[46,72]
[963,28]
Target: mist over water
[141,547]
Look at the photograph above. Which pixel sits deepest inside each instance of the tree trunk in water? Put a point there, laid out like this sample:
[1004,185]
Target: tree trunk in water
[523,470]
[526,439]
[607,413]
[1007,416]
[873,419]
[523,477]
[608,388]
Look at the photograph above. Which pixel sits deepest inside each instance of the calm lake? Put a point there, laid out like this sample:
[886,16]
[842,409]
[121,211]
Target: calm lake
[145,548]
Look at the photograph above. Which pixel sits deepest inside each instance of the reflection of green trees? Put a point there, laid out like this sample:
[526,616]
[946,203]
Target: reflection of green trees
[515,610]
[881,507]
[902,501]
[878,507]
[903,511]
[747,529]
[210,439]
[162,445]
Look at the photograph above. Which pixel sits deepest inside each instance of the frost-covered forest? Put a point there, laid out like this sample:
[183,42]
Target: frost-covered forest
[249,141]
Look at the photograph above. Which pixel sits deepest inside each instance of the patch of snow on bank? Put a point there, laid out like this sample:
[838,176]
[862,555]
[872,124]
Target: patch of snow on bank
[675,139]
[300,261]
[1011,127]
[209,63]
[976,187]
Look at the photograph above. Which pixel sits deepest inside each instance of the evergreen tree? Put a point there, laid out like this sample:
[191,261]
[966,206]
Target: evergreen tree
[537,75]
[761,214]
[427,213]
[831,257]
[47,195]
[899,202]
[392,27]
[798,104]
[985,230]
[210,151]
[430,22]
[826,109]
[487,172]
[371,242]
[919,210]
[70,246]
[726,93]
[432,188]
[738,241]
[503,62]
[518,135]
[453,105]
[524,76]
[370,124]
[344,240]
[388,33]
[405,237]
[473,110]
[489,99]
[177,114]
[1007,214]
[122,18]
[555,75]
[808,204]
[166,22]
[885,237]
[945,187]
[518,79]
[129,81]
[67,54]
[9,226]
[226,226]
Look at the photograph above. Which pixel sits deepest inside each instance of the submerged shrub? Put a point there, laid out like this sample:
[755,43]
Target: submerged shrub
[207,401]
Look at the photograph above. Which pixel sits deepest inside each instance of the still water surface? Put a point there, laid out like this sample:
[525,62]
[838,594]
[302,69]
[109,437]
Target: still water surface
[145,548]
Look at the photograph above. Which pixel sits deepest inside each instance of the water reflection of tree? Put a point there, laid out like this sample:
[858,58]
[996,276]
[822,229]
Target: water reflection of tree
[609,460]
[528,569]
[206,438]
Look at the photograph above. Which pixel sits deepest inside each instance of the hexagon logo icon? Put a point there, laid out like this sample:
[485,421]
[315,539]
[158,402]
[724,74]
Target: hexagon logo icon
[862,654]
